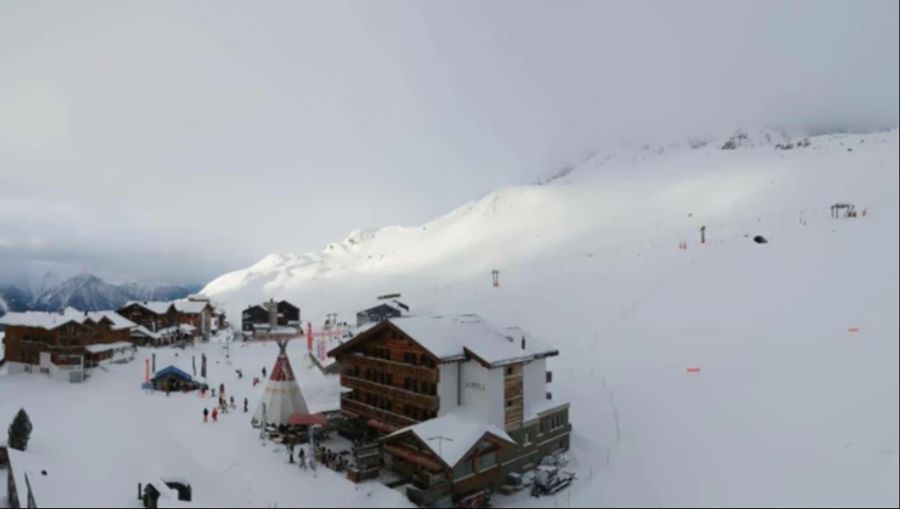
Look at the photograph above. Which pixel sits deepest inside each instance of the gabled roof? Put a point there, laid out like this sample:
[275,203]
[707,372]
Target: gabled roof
[140,329]
[287,303]
[154,306]
[174,371]
[379,306]
[50,320]
[190,306]
[456,337]
[459,434]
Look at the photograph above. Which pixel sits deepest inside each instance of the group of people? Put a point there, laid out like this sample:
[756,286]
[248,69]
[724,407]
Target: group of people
[331,459]
[301,455]
[224,403]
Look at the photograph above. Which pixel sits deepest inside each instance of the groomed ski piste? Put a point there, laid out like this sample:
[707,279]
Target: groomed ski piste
[728,373]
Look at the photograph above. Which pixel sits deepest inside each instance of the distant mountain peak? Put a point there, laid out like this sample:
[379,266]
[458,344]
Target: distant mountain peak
[85,292]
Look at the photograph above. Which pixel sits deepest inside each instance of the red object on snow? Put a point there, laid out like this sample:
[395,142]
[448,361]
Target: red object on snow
[853,329]
[693,370]
[299,419]
[309,337]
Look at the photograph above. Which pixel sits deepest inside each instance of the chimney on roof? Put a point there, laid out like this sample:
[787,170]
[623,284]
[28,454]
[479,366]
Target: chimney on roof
[523,342]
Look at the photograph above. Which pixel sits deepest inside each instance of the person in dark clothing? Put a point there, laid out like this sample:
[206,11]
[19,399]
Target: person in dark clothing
[222,389]
[245,405]
[205,415]
[264,372]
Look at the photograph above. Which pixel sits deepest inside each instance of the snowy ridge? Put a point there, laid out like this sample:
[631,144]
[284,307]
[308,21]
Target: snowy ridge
[607,202]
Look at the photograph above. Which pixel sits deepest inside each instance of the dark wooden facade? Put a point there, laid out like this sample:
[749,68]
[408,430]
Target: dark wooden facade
[376,314]
[65,343]
[254,315]
[393,379]
[288,314]
[480,468]
[148,318]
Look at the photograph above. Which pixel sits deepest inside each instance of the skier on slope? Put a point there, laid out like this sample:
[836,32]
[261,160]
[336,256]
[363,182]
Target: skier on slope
[215,415]
[205,415]
[264,372]
[245,405]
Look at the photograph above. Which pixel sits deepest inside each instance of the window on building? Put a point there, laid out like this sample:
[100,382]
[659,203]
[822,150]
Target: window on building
[463,469]
[509,371]
[509,403]
[487,460]
[549,377]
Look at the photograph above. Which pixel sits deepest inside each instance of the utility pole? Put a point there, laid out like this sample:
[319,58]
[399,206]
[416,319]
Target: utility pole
[440,440]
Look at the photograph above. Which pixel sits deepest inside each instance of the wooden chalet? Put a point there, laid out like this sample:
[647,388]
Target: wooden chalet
[271,319]
[158,317]
[252,316]
[67,343]
[378,313]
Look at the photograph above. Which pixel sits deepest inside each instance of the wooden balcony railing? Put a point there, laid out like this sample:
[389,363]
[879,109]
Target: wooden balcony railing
[360,408]
[391,392]
[397,369]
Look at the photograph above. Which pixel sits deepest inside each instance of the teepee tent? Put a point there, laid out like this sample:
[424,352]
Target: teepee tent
[282,396]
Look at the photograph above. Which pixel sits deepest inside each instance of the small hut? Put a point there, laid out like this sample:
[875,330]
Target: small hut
[843,209]
[173,379]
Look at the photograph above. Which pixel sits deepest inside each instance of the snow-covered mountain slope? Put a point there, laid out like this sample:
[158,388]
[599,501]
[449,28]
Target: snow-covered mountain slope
[87,292]
[83,292]
[156,291]
[796,401]
[608,205]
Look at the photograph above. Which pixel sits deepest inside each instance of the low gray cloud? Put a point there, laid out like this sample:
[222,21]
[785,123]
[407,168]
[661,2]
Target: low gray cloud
[175,141]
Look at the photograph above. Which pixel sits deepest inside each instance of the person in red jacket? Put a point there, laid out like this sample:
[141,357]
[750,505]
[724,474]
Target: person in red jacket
[215,415]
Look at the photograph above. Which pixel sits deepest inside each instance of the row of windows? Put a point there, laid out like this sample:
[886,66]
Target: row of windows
[418,360]
[378,401]
[553,423]
[373,375]
[419,414]
[411,411]
[381,353]
[413,385]
[383,378]
[485,461]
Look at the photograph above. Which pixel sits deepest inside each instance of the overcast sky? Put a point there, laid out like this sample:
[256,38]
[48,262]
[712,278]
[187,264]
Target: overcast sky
[174,141]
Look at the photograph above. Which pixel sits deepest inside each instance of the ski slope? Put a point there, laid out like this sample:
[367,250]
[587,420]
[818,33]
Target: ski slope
[789,407]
